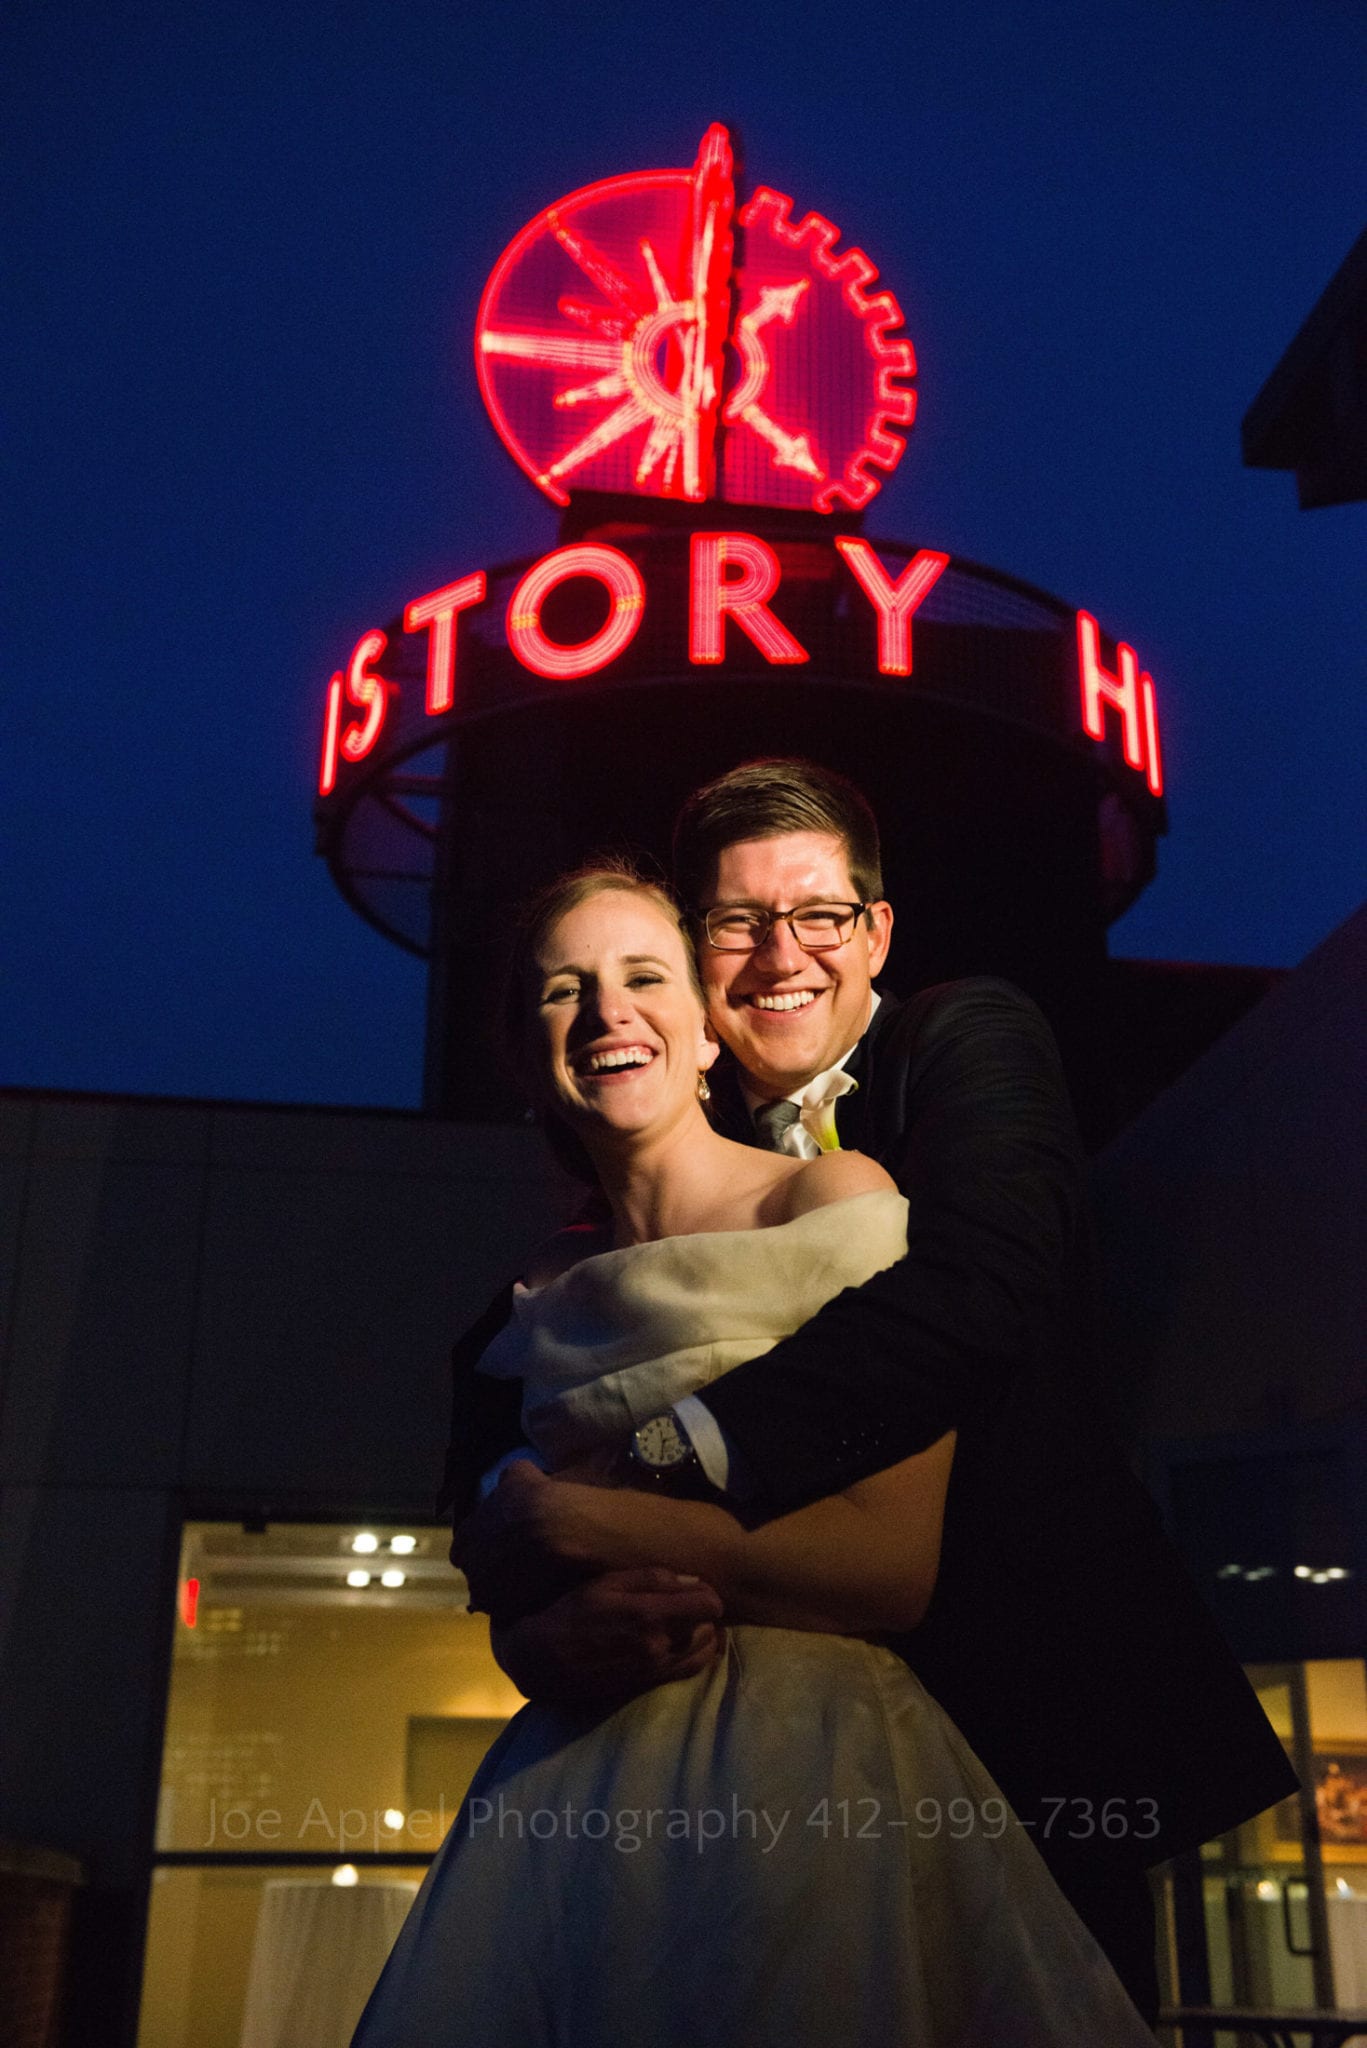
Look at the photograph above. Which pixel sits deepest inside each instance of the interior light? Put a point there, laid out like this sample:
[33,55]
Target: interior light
[365,1543]
[346,1873]
[1267,1889]
[393,1819]
[1337,1571]
[403,1546]
[1303,1571]
[1319,1578]
[1230,1571]
[391,1578]
[358,1578]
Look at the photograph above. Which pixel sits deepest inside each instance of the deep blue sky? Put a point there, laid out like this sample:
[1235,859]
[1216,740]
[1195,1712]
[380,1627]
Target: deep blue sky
[250,243]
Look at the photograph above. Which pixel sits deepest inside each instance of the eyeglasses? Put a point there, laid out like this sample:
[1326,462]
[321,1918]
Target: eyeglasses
[817,927]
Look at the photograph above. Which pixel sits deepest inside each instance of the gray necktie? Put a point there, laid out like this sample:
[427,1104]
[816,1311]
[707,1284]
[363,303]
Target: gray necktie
[773,1120]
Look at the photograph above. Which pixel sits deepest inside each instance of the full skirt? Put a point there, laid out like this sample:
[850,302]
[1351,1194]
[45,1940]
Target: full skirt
[795,1848]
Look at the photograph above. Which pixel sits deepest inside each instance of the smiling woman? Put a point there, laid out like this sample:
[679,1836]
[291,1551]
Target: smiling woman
[620,1021]
[544,911]
[605,1017]
[568,959]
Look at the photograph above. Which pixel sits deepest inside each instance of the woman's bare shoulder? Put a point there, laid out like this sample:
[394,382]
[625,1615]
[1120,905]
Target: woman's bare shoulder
[834,1177]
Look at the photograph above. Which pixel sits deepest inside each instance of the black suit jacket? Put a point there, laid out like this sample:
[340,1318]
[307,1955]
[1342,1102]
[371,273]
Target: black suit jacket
[1064,1636]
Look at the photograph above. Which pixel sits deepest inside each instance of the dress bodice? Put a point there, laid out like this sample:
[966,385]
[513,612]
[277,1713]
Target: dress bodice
[623,1334]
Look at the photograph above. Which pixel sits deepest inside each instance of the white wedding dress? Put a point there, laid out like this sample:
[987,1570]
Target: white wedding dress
[794,1850]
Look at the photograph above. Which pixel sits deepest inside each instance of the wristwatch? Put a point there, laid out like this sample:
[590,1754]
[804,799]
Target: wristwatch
[662,1454]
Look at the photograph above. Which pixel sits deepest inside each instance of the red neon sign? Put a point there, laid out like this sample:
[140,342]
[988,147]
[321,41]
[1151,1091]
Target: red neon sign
[732,575]
[625,586]
[893,602]
[609,349]
[1127,691]
[855,401]
[438,611]
[368,691]
[1153,759]
[327,774]
[713,596]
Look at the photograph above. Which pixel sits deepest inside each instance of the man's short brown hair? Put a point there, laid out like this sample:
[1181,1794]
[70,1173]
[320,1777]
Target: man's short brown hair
[764,799]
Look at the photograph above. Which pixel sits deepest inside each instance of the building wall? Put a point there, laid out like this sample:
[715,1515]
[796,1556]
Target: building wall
[1233,1215]
[1234,1218]
[205,1310]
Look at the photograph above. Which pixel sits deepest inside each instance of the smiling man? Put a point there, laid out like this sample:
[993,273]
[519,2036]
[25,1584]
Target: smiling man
[790,1007]
[1063,1636]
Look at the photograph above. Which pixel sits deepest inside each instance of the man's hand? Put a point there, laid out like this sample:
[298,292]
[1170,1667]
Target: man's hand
[535,1537]
[611,1638]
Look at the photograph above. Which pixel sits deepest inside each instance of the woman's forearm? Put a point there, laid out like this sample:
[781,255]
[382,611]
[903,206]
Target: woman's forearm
[830,1567]
[834,1567]
[860,1562]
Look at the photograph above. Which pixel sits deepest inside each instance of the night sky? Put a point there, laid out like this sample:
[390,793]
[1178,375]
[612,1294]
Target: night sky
[247,245]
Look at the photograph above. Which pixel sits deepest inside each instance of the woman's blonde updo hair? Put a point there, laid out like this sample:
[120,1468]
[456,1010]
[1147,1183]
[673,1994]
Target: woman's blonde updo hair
[536,920]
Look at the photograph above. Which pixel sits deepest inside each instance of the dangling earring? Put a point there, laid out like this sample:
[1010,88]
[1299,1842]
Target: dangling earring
[704,1092]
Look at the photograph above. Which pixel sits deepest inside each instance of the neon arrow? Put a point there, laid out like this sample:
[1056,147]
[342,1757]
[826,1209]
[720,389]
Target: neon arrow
[791,451]
[776,302]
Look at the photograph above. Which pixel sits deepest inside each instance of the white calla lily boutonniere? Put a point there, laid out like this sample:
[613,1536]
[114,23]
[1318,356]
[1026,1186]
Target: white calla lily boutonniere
[818,1115]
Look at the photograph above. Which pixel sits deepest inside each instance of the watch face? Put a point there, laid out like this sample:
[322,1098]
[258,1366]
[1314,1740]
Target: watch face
[661,1442]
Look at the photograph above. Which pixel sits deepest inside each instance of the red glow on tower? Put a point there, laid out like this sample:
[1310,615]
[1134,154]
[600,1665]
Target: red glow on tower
[833,371]
[616,388]
[189,1602]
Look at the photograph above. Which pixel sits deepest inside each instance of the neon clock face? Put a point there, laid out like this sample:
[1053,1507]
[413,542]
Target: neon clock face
[641,335]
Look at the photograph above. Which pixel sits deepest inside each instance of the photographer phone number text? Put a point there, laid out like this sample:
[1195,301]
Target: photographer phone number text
[1077,1820]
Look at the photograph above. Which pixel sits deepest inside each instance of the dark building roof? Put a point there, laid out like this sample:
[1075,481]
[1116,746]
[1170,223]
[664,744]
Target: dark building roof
[1311,415]
[1163,1015]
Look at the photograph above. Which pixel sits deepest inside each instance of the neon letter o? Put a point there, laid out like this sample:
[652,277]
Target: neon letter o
[625,586]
